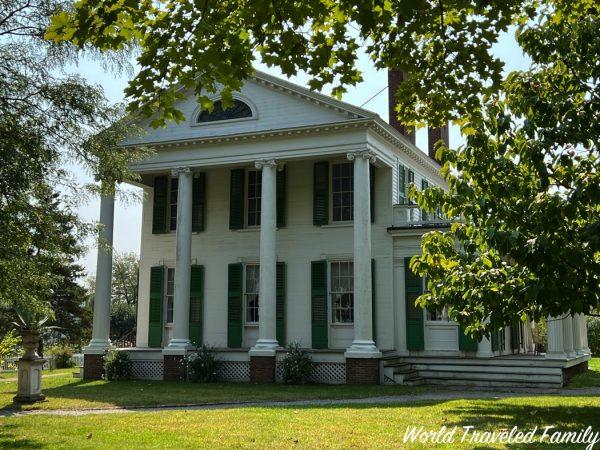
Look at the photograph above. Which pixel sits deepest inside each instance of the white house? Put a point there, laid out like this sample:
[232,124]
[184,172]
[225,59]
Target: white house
[285,219]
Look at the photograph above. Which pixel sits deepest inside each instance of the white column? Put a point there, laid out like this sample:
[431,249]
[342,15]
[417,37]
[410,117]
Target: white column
[400,307]
[556,346]
[101,321]
[267,339]
[577,335]
[484,347]
[180,340]
[568,335]
[363,345]
[583,330]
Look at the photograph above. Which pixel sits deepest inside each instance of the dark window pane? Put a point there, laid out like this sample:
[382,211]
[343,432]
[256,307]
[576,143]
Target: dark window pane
[239,110]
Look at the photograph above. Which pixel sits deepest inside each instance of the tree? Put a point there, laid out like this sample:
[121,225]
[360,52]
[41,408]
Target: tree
[48,118]
[525,184]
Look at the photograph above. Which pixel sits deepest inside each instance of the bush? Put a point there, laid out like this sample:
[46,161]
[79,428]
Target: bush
[10,346]
[117,366]
[203,366]
[297,365]
[62,355]
[594,335]
[540,335]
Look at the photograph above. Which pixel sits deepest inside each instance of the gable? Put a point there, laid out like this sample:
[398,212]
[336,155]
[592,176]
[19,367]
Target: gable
[273,106]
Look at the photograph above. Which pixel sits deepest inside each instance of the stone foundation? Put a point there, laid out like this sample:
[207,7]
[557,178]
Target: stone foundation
[174,368]
[570,372]
[93,366]
[262,369]
[362,370]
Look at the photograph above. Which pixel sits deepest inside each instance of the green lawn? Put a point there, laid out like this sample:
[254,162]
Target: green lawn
[360,426]
[589,379]
[13,374]
[72,393]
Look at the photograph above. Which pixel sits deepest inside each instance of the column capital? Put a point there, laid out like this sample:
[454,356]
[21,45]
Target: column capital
[365,154]
[180,171]
[261,163]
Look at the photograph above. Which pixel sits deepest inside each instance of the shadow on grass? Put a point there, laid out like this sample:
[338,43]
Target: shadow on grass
[8,438]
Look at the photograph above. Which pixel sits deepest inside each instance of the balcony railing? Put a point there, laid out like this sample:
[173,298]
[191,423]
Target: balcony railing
[411,216]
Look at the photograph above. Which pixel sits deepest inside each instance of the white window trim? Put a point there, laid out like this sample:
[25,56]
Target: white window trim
[246,182]
[165,296]
[246,323]
[329,295]
[169,216]
[340,223]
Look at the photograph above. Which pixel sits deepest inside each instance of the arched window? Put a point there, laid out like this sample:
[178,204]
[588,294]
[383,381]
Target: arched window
[239,110]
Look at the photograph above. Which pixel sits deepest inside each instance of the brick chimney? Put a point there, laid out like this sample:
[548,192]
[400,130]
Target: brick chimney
[395,77]
[434,135]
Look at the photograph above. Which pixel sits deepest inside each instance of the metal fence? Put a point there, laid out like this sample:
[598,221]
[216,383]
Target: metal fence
[10,364]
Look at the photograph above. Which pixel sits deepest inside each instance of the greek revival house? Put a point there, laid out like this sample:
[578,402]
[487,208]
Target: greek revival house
[284,219]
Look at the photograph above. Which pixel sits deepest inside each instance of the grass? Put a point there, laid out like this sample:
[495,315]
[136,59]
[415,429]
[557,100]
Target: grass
[45,373]
[358,426]
[591,378]
[66,392]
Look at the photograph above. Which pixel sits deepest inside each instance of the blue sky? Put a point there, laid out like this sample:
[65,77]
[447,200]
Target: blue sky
[128,216]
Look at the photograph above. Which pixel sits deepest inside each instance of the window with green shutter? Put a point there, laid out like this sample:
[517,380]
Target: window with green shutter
[196,304]
[401,184]
[319,322]
[415,339]
[155,319]
[159,205]
[234,305]
[424,186]
[321,193]
[410,175]
[236,199]
[280,306]
[199,202]
[281,193]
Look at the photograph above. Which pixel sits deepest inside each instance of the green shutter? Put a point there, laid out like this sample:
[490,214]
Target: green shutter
[234,305]
[411,180]
[198,202]
[196,304]
[415,339]
[424,185]
[281,197]
[236,199]
[373,301]
[155,319]
[280,308]
[319,322]
[465,342]
[321,193]
[515,343]
[495,346]
[401,184]
[159,207]
[372,190]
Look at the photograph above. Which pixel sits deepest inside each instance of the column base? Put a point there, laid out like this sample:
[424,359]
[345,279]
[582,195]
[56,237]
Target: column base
[97,346]
[262,369]
[363,349]
[560,356]
[177,347]
[93,366]
[174,367]
[362,370]
[264,347]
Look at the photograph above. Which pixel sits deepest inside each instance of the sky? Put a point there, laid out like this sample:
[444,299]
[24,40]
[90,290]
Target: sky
[128,216]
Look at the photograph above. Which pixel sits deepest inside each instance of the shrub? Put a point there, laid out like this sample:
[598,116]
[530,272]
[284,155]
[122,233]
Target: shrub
[62,354]
[594,335]
[297,365]
[203,366]
[540,335]
[117,366]
[10,346]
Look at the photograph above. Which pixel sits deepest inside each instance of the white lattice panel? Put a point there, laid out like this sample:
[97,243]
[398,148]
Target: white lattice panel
[329,373]
[147,370]
[234,371]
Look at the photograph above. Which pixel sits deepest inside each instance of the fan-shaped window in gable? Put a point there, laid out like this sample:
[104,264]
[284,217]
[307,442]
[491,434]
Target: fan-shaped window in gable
[239,110]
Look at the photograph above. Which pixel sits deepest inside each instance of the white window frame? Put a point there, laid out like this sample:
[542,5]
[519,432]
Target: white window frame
[257,197]
[402,196]
[335,163]
[330,293]
[170,216]
[246,294]
[166,295]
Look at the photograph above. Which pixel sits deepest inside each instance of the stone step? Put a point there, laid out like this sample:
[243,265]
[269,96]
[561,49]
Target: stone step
[489,377]
[525,371]
[489,383]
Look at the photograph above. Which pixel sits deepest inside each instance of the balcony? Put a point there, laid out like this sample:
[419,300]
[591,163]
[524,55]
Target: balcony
[411,216]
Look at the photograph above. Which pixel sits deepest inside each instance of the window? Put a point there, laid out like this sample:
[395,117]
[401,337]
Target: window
[239,110]
[251,292]
[342,192]
[170,293]
[253,201]
[342,292]
[402,184]
[173,187]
